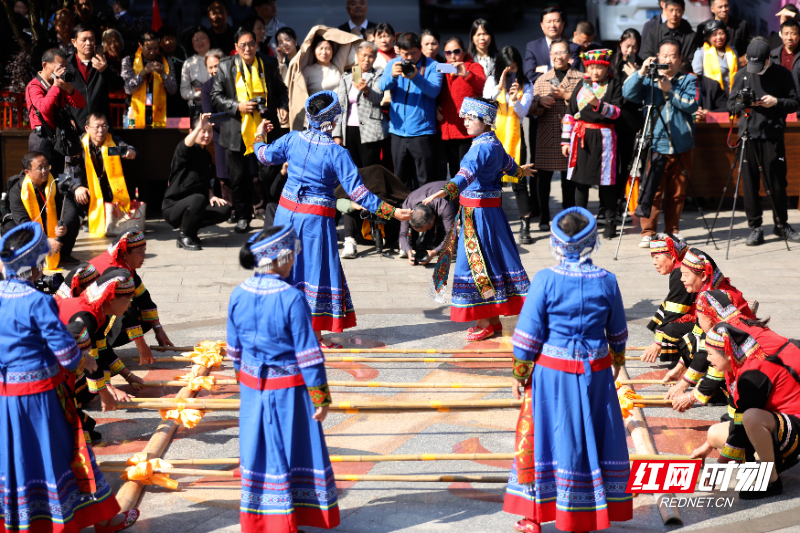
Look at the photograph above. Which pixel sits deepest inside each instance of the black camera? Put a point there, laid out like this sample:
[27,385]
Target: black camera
[745,98]
[421,255]
[69,180]
[653,68]
[68,76]
[261,102]
[117,151]
[49,284]
[408,67]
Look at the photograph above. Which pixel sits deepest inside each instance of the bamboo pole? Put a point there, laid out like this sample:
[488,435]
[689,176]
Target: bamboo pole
[130,492]
[336,359]
[645,382]
[179,383]
[361,384]
[349,407]
[385,350]
[234,461]
[643,442]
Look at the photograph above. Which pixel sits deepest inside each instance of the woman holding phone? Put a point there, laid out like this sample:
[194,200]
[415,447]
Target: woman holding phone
[464,79]
[514,94]
[194,73]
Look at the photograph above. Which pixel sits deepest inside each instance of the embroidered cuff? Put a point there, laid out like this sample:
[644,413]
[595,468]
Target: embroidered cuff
[259,138]
[700,397]
[452,191]
[567,125]
[101,345]
[116,367]
[320,395]
[522,369]
[84,341]
[385,211]
[609,111]
[141,289]
[618,358]
[96,385]
[135,332]
[733,453]
[692,377]
[714,374]
[149,315]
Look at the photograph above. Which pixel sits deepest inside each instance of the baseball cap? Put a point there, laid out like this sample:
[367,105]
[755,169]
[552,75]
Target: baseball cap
[757,55]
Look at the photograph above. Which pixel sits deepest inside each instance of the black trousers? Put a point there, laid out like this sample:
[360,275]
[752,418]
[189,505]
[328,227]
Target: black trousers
[567,192]
[363,154]
[242,190]
[71,217]
[413,160]
[194,212]
[454,152]
[607,193]
[772,156]
[542,178]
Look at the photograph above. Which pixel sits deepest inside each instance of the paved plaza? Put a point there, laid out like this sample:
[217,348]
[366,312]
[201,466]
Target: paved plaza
[192,290]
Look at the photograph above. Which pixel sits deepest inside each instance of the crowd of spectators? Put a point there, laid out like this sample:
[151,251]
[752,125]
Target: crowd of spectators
[400,93]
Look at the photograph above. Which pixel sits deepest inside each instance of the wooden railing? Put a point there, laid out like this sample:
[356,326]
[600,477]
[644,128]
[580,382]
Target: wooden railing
[12,110]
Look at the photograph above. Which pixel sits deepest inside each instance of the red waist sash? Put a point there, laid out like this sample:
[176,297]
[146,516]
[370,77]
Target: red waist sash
[310,209]
[479,202]
[572,367]
[580,133]
[15,384]
[255,383]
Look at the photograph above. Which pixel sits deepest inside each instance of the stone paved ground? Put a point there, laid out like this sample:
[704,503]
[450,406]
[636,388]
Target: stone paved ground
[192,291]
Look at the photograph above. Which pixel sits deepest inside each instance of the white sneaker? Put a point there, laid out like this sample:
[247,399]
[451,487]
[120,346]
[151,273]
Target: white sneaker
[350,249]
[645,241]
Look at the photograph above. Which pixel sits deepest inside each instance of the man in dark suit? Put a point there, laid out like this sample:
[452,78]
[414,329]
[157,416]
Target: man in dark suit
[94,77]
[738,30]
[224,98]
[674,28]
[653,22]
[357,9]
[788,54]
[120,8]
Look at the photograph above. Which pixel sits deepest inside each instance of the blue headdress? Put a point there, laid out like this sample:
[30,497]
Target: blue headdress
[324,120]
[580,246]
[33,254]
[275,250]
[476,109]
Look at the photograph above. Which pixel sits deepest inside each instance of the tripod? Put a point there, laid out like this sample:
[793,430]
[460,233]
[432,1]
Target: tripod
[376,224]
[741,157]
[646,139]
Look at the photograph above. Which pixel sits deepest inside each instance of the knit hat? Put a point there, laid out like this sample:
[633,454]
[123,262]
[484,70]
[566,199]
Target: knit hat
[21,261]
[478,110]
[275,250]
[324,120]
[601,56]
[580,246]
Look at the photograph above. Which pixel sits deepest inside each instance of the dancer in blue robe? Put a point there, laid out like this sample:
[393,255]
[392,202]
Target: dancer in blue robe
[571,461]
[316,166]
[287,479]
[49,479]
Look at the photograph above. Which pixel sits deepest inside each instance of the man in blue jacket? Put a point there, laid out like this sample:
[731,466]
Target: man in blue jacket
[414,85]
[676,97]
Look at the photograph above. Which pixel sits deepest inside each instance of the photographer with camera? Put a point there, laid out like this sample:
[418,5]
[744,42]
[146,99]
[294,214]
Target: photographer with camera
[148,78]
[249,88]
[48,95]
[32,197]
[763,94]
[414,83]
[660,83]
[106,182]
[422,237]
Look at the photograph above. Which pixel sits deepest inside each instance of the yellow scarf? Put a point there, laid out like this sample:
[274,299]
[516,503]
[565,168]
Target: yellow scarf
[711,65]
[116,180]
[28,195]
[508,130]
[249,84]
[139,98]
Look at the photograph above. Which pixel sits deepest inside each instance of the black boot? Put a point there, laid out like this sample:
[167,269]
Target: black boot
[186,242]
[610,230]
[525,231]
[190,224]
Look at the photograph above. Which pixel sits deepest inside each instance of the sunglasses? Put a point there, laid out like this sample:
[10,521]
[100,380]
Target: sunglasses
[452,52]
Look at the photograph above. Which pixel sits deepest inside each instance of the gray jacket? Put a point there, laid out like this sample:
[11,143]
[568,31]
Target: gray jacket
[370,117]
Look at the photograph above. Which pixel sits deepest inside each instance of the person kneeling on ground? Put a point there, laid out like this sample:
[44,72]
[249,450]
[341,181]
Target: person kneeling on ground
[189,203]
[429,224]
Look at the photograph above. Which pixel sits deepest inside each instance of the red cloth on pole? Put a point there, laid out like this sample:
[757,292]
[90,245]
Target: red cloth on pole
[156,17]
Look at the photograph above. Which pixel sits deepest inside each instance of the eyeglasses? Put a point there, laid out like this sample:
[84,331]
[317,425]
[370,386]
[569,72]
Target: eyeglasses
[559,54]
[453,52]
[99,127]
[249,44]
[42,170]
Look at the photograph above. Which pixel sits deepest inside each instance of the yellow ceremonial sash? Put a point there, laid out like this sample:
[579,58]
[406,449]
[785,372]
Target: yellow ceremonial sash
[711,64]
[250,83]
[139,98]
[508,130]
[28,195]
[116,180]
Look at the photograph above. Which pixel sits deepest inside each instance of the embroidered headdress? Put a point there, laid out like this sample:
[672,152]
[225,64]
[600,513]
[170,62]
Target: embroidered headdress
[275,250]
[601,56]
[76,281]
[21,261]
[664,243]
[716,305]
[700,263]
[478,110]
[736,344]
[580,246]
[113,282]
[324,120]
[129,240]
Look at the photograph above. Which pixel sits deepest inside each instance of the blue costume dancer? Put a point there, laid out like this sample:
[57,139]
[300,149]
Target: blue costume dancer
[49,480]
[287,479]
[489,278]
[316,166]
[571,461]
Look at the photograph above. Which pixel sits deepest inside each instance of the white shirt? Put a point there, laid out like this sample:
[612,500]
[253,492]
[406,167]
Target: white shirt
[362,27]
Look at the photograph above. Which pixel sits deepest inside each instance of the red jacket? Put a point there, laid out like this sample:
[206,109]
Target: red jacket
[453,92]
[48,102]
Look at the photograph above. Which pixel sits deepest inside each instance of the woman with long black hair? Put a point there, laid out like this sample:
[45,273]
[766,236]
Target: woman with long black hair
[483,45]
